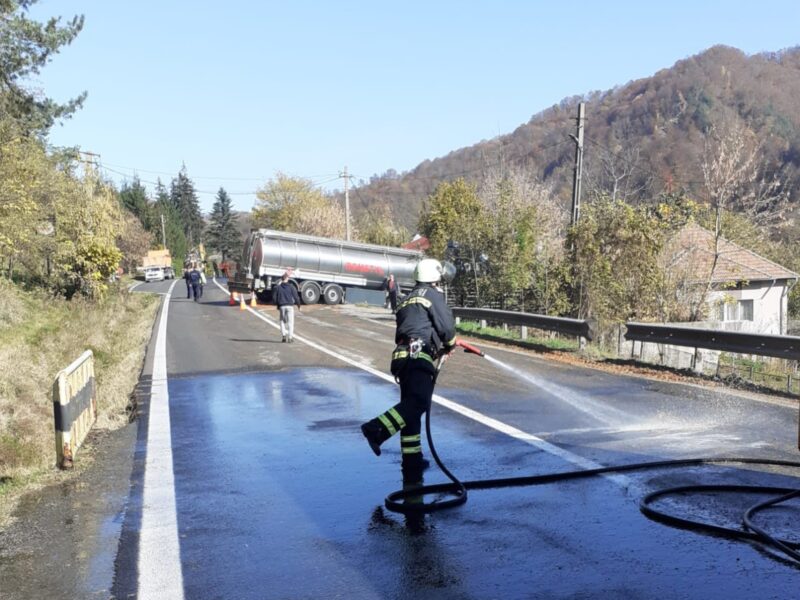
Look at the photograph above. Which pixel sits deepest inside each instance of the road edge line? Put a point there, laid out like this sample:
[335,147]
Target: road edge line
[159,560]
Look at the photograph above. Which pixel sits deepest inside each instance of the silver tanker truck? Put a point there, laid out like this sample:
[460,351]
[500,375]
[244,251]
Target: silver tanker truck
[319,267]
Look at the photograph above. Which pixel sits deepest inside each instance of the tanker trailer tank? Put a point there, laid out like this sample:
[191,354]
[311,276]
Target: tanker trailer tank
[323,267]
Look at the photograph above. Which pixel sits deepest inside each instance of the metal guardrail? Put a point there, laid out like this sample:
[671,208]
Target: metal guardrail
[778,346]
[74,407]
[565,325]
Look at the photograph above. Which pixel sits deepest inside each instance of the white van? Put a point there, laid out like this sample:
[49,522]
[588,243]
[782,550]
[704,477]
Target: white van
[153,274]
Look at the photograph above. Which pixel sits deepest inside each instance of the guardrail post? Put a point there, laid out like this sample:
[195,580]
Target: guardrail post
[523,332]
[458,320]
[483,323]
[582,343]
[697,361]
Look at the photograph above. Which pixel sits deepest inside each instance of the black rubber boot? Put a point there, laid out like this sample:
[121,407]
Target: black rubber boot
[376,434]
[413,466]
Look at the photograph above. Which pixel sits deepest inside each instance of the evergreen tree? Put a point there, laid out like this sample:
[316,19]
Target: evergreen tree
[223,234]
[173,225]
[184,200]
[25,47]
[134,198]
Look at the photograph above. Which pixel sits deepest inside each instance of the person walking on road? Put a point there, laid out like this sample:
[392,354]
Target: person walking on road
[203,280]
[194,279]
[425,330]
[390,285]
[186,271]
[286,298]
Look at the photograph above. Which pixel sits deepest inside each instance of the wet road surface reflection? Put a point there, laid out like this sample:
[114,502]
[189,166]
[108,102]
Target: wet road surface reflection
[278,496]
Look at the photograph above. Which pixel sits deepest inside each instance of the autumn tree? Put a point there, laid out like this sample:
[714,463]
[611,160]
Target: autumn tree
[617,171]
[521,229]
[616,259]
[25,172]
[294,204]
[378,226]
[133,241]
[737,177]
[453,216]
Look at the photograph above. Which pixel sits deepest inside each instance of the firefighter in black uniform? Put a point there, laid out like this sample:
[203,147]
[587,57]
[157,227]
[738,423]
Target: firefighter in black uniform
[425,329]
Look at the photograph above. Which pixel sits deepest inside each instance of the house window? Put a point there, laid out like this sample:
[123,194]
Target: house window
[735,311]
[745,310]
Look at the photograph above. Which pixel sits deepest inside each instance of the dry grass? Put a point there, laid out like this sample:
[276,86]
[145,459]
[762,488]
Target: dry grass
[39,336]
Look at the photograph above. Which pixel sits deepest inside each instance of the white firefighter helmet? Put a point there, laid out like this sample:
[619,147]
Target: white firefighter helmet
[429,270]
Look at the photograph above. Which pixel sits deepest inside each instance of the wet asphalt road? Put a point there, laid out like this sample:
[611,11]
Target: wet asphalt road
[277,495]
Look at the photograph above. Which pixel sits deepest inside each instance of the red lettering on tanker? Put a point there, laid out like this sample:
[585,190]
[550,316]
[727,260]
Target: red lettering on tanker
[361,268]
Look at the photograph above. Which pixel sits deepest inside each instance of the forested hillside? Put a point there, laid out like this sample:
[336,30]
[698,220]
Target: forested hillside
[643,139]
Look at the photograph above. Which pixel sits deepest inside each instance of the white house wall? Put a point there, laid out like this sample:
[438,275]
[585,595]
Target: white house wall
[769,308]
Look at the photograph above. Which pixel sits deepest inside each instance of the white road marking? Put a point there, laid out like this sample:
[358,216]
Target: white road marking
[159,563]
[509,430]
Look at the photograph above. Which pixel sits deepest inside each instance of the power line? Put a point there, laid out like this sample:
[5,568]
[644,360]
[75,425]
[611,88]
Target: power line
[104,167]
[108,169]
[210,177]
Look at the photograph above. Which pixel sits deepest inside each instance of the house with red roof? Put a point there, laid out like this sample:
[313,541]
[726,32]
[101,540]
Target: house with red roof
[748,293]
[419,242]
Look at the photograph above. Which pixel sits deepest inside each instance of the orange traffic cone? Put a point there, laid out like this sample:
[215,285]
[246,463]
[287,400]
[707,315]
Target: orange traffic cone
[232,300]
[253,301]
[242,305]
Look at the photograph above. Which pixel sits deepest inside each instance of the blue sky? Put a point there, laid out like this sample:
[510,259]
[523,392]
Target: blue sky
[239,90]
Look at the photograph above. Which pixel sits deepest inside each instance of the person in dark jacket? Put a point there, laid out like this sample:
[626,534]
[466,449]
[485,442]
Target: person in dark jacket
[194,279]
[425,329]
[286,298]
[186,271]
[390,285]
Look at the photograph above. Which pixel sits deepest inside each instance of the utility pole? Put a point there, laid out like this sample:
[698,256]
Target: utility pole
[346,202]
[163,234]
[90,158]
[576,183]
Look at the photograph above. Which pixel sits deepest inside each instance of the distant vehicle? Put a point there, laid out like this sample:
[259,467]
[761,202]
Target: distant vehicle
[156,274]
[160,259]
[320,268]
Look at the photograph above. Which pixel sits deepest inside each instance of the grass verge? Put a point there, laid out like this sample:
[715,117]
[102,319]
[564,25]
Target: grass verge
[512,335]
[39,336]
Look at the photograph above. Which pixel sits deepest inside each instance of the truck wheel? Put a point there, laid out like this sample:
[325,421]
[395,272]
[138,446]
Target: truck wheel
[332,294]
[309,292]
[264,295]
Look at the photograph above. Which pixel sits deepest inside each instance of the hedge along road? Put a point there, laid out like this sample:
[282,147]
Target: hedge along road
[277,495]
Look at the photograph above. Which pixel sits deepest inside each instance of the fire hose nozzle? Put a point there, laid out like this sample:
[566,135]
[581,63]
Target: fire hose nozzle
[469,348]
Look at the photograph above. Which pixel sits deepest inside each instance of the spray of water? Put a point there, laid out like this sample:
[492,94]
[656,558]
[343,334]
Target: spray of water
[670,431]
[602,412]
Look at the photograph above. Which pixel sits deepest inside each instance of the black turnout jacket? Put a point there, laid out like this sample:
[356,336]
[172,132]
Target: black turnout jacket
[423,314]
